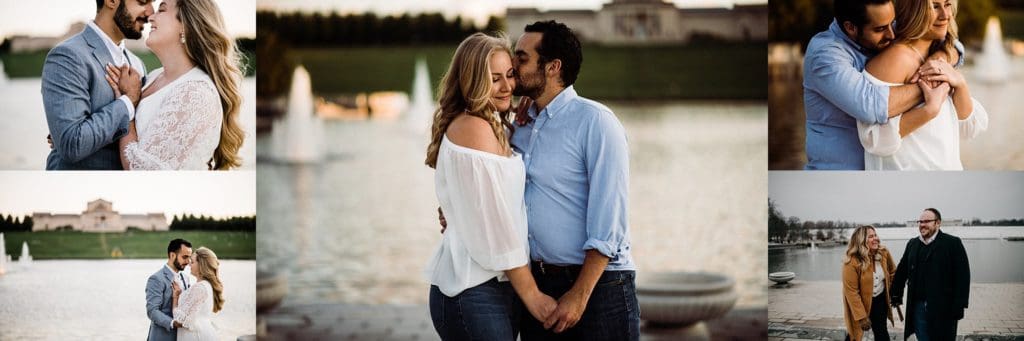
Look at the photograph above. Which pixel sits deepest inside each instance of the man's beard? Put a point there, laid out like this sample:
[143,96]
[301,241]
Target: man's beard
[126,23]
[524,89]
[178,265]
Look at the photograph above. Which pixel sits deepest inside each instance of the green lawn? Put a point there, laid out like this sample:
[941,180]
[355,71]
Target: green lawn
[678,72]
[137,244]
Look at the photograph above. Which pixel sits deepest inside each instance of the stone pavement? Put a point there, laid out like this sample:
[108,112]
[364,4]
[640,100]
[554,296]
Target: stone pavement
[330,321]
[813,310]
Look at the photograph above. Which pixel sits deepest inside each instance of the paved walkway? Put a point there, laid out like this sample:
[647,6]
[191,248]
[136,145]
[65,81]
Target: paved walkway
[412,322]
[813,310]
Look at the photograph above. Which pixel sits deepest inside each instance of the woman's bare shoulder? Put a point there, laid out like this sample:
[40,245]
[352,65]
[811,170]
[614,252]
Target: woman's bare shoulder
[895,64]
[473,132]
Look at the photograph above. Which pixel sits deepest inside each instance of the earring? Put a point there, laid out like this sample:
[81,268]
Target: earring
[182,37]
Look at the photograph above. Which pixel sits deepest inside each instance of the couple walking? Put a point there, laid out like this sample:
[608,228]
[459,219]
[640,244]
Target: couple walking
[536,237]
[104,114]
[934,269]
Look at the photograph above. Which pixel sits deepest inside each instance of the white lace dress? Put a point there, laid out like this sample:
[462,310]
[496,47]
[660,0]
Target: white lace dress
[933,146]
[178,125]
[195,313]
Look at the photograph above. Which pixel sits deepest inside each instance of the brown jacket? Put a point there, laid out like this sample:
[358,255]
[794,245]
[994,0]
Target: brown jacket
[857,286]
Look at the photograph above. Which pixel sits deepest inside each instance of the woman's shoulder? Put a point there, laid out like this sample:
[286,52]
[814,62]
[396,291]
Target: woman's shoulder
[895,64]
[473,132]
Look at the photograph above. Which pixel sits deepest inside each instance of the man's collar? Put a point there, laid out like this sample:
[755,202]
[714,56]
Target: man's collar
[560,101]
[170,268]
[930,239]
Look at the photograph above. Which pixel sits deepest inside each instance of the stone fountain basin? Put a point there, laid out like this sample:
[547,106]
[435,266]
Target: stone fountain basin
[271,288]
[684,298]
[781,277]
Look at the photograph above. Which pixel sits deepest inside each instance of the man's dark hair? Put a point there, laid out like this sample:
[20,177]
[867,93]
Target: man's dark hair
[559,42]
[854,11]
[176,244]
[938,216]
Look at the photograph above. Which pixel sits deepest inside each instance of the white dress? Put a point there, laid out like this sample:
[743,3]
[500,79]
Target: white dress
[481,195]
[933,146]
[178,125]
[195,313]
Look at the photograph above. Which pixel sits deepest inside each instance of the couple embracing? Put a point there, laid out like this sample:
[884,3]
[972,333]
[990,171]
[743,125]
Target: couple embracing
[536,238]
[180,305]
[865,79]
[104,114]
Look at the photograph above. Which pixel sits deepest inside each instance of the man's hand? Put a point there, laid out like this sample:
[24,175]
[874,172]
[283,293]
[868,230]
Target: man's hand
[570,309]
[125,81]
[440,219]
[49,140]
[522,111]
[865,324]
[933,96]
[177,324]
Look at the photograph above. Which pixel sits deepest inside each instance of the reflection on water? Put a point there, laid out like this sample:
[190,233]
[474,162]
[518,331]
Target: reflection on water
[106,300]
[999,148]
[360,228]
[23,135]
[992,258]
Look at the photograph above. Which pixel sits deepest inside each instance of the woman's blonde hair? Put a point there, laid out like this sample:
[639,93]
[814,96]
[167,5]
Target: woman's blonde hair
[208,45]
[466,88]
[914,19]
[207,264]
[858,249]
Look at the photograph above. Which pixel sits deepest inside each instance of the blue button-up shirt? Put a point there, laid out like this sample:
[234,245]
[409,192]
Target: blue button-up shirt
[836,96]
[577,182]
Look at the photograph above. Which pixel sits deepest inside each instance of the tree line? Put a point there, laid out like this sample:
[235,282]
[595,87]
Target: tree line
[335,30]
[12,223]
[190,222]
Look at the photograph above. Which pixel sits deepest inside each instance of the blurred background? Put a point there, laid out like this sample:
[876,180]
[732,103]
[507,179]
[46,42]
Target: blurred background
[991,30]
[28,30]
[346,91]
[76,248]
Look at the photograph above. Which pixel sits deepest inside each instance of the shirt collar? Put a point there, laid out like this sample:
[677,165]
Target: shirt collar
[557,104]
[172,269]
[838,31]
[930,239]
[109,42]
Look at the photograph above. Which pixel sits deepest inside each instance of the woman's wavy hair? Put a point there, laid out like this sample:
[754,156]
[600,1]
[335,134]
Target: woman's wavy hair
[208,45]
[858,249]
[466,88]
[914,18]
[208,266]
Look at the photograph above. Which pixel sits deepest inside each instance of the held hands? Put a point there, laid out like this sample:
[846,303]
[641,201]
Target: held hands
[440,219]
[125,81]
[934,96]
[938,70]
[570,309]
[540,305]
[865,324]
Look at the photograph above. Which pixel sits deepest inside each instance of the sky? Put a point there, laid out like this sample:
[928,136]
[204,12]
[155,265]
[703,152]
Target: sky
[477,9]
[868,197]
[27,17]
[218,194]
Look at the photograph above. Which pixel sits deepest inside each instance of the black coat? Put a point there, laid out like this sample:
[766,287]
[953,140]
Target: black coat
[946,278]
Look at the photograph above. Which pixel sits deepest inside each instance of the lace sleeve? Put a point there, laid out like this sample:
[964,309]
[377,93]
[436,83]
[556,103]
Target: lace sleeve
[189,304]
[184,118]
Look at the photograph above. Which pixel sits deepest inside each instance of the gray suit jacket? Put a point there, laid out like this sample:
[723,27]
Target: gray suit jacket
[158,305]
[84,117]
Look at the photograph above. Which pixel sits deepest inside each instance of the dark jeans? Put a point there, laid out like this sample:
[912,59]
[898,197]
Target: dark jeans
[489,311]
[879,316]
[612,312]
[921,321]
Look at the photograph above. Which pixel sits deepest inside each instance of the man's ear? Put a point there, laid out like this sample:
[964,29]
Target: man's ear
[554,69]
[850,29]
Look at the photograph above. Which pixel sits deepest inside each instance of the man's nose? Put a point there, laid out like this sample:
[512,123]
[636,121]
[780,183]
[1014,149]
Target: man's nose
[889,34]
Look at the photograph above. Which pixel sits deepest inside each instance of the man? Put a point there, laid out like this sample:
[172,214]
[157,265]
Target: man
[84,118]
[159,291]
[577,174]
[836,92]
[935,269]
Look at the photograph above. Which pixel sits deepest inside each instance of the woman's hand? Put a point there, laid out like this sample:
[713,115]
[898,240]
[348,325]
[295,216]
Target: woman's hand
[113,76]
[934,96]
[540,305]
[125,81]
[865,324]
[938,70]
[522,111]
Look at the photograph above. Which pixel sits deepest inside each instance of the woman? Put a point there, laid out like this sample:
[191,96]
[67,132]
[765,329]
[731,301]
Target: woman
[195,307]
[480,184]
[187,117]
[867,275]
[927,137]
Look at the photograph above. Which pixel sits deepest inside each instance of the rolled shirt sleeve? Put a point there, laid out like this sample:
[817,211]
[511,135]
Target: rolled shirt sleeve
[607,162]
[832,72]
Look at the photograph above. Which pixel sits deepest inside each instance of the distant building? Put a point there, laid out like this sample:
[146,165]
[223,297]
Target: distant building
[99,216]
[945,223]
[651,22]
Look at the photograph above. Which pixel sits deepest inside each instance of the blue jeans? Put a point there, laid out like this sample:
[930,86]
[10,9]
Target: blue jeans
[489,311]
[921,321]
[612,313]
